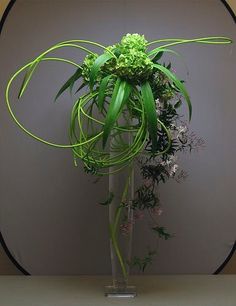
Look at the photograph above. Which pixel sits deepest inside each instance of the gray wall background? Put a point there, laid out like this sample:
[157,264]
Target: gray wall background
[49,215]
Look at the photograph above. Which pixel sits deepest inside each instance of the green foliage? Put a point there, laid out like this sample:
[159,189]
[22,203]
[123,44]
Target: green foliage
[162,232]
[150,111]
[142,263]
[102,91]
[120,95]
[70,82]
[122,86]
[95,69]
[88,63]
[27,77]
[145,198]
[132,99]
[155,172]
[178,84]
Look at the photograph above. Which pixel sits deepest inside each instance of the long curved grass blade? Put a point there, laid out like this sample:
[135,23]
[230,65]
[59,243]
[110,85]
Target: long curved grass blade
[150,109]
[70,82]
[86,42]
[27,77]
[120,95]
[159,50]
[101,60]
[102,91]
[203,40]
[178,84]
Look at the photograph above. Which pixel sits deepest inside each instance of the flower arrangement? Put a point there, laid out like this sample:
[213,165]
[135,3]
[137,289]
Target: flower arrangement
[126,110]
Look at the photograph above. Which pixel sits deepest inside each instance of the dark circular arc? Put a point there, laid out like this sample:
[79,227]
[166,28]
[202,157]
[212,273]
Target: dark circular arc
[231,12]
[2,242]
[223,265]
[233,250]
[5,14]
[10,256]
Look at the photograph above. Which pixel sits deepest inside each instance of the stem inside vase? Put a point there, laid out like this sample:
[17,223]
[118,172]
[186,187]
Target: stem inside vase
[121,224]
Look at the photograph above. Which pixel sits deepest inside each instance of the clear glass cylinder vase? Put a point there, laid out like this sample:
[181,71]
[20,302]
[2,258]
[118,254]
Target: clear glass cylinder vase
[121,190]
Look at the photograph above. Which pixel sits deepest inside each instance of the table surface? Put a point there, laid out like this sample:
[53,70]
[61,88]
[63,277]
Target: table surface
[168,290]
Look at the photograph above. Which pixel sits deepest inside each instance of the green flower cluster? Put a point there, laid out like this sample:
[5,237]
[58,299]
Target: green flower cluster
[87,65]
[134,65]
[133,41]
[132,62]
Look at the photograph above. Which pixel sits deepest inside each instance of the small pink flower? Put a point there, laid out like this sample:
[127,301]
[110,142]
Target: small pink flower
[138,215]
[157,211]
[126,228]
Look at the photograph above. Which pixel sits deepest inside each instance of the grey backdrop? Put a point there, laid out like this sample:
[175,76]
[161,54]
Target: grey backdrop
[49,214]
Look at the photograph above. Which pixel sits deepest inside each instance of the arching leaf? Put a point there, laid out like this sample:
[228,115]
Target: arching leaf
[150,109]
[158,52]
[81,87]
[70,82]
[157,56]
[101,60]
[102,91]
[120,95]
[178,84]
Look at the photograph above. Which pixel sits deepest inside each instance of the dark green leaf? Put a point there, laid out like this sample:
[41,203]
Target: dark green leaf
[150,109]
[70,82]
[102,91]
[178,84]
[81,86]
[142,263]
[157,56]
[161,231]
[101,60]
[120,95]
[145,199]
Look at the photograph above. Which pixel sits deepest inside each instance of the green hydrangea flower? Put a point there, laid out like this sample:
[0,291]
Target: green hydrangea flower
[132,62]
[133,41]
[134,66]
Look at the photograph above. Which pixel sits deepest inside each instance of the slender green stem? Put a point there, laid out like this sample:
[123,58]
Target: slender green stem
[113,227]
[117,250]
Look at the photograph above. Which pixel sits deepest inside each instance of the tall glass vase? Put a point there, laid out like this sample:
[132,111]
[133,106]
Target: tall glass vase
[121,190]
